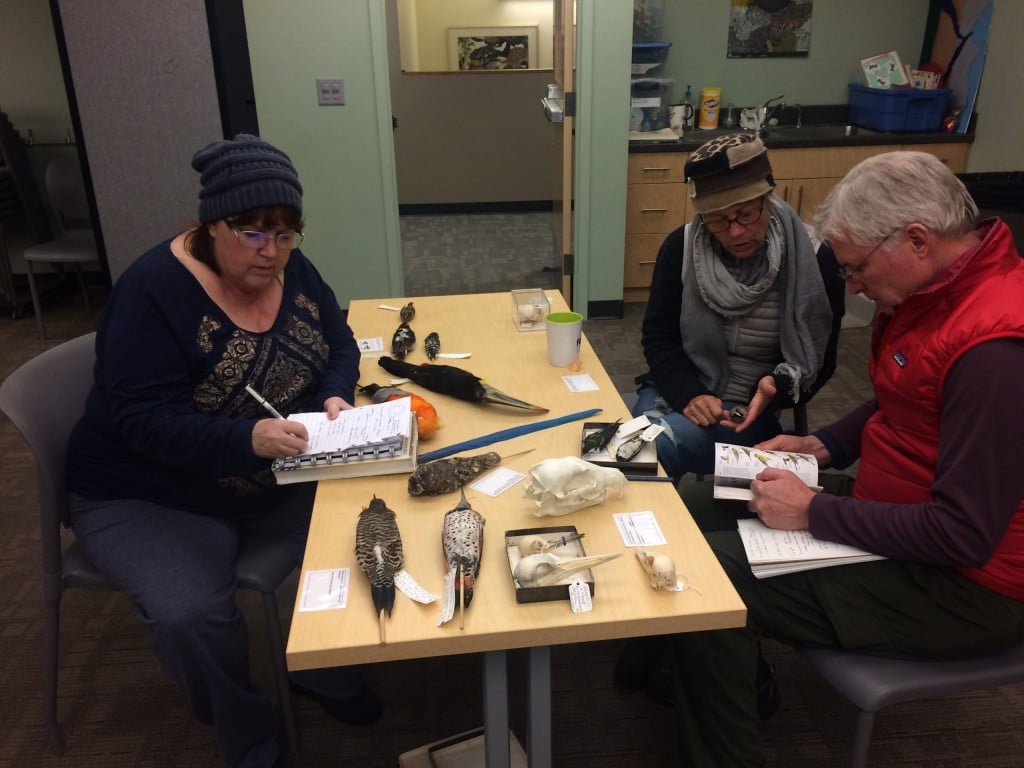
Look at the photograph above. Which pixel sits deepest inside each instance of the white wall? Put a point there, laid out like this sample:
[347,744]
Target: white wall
[428,22]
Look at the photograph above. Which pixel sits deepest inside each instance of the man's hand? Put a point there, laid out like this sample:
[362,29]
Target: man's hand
[781,499]
[798,444]
[277,438]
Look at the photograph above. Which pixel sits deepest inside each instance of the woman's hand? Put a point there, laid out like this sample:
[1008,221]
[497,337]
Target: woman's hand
[335,405]
[758,403]
[277,438]
[781,499]
[705,410]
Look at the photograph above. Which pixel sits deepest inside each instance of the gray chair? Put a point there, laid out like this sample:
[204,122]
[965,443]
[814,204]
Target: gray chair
[28,396]
[873,683]
[72,246]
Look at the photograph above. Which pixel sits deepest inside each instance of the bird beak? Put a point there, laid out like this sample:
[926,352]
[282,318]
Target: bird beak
[492,395]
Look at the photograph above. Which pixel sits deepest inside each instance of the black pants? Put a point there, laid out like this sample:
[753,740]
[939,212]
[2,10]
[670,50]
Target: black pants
[887,608]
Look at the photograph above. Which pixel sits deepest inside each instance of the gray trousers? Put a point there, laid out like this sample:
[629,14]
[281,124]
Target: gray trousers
[886,608]
[178,569]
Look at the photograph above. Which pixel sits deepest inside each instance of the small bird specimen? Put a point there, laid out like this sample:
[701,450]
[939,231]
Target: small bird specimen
[456,382]
[379,554]
[407,313]
[432,345]
[426,414]
[403,341]
[446,475]
[462,541]
[599,438]
[628,449]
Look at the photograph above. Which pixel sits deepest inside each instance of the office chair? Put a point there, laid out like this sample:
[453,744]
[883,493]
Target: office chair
[75,246]
[872,682]
[64,375]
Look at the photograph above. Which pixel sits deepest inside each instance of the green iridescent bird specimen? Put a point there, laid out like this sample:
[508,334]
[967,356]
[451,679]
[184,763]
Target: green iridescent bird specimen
[379,554]
[599,438]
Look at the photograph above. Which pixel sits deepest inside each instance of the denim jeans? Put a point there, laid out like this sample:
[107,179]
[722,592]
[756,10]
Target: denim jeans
[685,447]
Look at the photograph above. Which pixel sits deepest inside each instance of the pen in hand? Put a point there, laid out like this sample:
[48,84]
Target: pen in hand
[264,402]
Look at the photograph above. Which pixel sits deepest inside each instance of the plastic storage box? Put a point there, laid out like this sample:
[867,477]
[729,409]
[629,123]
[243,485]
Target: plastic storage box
[649,104]
[897,109]
[647,56]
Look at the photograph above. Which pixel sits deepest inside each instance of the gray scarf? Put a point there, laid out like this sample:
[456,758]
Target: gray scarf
[710,292]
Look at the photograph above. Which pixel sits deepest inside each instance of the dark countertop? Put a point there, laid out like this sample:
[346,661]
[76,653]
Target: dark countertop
[822,127]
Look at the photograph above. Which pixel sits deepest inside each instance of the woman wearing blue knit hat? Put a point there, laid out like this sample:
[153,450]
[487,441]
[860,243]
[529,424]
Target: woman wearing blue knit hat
[169,469]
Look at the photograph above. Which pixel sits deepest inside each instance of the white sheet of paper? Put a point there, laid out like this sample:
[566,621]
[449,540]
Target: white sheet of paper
[373,347]
[580,382]
[498,481]
[365,425]
[639,529]
[325,590]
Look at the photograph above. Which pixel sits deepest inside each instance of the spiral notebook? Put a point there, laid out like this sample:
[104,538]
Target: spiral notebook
[377,439]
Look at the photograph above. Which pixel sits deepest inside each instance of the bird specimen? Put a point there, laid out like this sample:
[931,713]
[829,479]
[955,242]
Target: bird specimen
[456,382]
[445,475]
[403,341]
[462,541]
[407,313]
[432,345]
[379,554]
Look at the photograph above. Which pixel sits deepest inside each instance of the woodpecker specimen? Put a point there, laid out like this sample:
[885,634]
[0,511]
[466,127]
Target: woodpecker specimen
[462,540]
[379,554]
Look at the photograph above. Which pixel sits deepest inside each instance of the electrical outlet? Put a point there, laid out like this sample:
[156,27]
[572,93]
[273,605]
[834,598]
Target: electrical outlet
[330,91]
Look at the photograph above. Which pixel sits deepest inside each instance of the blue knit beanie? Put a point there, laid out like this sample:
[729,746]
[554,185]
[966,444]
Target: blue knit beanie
[242,174]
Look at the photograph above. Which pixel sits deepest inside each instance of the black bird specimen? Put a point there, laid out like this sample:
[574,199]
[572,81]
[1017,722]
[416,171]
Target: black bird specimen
[432,345]
[449,380]
[403,341]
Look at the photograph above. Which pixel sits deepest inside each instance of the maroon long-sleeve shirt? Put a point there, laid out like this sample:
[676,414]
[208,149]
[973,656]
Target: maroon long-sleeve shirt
[979,478]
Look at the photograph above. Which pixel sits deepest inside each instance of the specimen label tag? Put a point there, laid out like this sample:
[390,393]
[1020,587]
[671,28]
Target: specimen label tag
[409,587]
[579,597]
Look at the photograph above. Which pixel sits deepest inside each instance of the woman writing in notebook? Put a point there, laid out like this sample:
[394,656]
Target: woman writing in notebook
[170,466]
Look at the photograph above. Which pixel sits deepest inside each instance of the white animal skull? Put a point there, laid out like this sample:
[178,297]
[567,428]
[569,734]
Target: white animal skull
[560,486]
[660,570]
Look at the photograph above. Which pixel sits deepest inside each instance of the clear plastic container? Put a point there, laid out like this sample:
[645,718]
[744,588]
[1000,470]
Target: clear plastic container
[648,18]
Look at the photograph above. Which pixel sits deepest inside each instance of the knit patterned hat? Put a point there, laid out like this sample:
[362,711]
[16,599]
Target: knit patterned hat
[242,174]
[728,170]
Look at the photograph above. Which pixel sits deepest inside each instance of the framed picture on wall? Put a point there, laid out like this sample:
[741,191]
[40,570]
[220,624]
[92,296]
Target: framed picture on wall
[472,49]
[769,28]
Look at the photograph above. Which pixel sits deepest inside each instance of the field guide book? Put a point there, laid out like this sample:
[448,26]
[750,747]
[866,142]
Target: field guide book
[378,439]
[773,552]
[737,465]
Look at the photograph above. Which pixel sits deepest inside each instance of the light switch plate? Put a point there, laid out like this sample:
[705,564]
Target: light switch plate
[330,91]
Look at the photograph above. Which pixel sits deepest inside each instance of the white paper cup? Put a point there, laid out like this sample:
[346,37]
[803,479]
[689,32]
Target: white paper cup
[564,329]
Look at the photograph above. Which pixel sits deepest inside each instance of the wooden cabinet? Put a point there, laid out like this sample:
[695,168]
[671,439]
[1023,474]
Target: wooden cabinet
[657,201]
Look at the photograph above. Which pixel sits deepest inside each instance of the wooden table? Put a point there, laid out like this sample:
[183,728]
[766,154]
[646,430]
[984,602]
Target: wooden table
[624,605]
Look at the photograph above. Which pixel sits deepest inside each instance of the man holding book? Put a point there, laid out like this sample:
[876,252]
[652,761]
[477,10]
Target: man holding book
[938,493]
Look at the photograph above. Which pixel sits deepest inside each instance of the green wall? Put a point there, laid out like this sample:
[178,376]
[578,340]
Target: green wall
[344,154]
[842,33]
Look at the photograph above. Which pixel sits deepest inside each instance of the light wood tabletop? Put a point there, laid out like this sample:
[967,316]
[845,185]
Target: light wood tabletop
[624,605]
[514,362]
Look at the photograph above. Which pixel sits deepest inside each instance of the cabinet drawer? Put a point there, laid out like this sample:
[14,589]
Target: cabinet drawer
[656,167]
[654,208]
[953,155]
[820,162]
[641,253]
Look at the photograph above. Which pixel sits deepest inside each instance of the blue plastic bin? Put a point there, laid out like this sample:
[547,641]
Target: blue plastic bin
[897,109]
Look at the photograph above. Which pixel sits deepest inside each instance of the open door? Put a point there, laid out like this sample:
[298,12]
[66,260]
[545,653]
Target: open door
[564,59]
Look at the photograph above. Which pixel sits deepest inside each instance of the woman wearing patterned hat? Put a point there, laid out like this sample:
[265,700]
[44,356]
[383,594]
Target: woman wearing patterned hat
[744,310]
[170,466]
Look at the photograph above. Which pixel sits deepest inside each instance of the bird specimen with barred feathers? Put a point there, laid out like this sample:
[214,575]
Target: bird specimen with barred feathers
[444,475]
[379,554]
[432,345]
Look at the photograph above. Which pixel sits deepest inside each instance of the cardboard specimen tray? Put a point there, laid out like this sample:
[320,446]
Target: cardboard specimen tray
[571,548]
